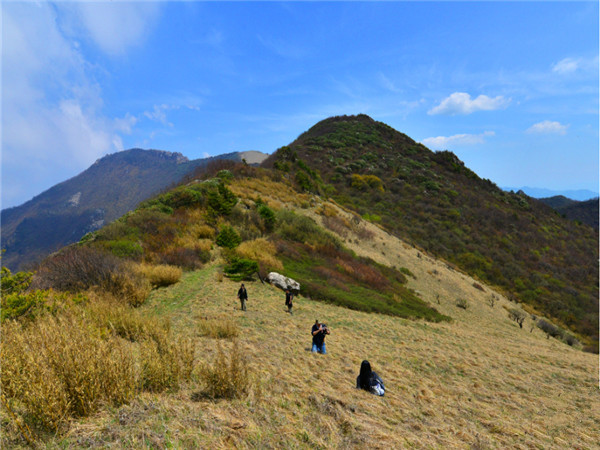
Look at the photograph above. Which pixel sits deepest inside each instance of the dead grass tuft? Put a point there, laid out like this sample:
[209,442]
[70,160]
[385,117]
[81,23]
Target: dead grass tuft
[59,369]
[226,377]
[165,363]
[159,275]
[218,328]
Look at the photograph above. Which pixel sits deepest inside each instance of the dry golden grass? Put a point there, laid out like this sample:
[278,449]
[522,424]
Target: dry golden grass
[477,382]
[218,328]
[274,194]
[225,377]
[261,251]
[58,369]
[160,275]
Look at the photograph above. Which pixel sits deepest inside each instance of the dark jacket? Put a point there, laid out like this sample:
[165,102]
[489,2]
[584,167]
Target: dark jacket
[369,380]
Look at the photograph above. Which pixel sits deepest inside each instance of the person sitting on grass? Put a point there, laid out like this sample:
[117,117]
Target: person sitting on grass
[369,380]
[319,330]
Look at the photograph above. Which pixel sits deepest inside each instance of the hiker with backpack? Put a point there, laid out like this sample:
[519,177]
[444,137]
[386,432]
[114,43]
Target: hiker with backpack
[243,296]
[369,380]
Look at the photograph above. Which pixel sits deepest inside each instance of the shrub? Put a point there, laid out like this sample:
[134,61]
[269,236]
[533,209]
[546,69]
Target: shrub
[228,237]
[28,305]
[303,229]
[80,268]
[218,328]
[14,283]
[549,329]
[262,251]
[240,269]
[478,287]
[124,249]
[268,217]
[517,315]
[159,275]
[462,303]
[226,377]
[336,224]
[187,258]
[407,272]
[221,201]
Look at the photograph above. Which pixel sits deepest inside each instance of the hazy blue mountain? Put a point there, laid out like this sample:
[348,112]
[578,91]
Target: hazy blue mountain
[578,194]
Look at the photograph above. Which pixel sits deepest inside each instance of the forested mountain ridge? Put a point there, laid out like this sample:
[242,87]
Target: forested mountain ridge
[109,188]
[583,211]
[434,201]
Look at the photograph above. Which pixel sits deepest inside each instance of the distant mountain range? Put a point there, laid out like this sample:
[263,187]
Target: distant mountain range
[112,186]
[578,194]
[585,212]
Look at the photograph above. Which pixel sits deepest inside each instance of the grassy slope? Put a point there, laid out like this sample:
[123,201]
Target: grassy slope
[433,200]
[479,381]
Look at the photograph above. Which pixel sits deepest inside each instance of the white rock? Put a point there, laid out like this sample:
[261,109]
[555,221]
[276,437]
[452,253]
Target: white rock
[283,282]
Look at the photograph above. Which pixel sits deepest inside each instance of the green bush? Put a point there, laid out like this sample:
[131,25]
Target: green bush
[221,201]
[125,249]
[240,269]
[299,228]
[228,237]
[268,217]
[14,283]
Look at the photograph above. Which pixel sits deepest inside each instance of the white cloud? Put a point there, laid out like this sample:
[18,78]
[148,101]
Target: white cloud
[114,27]
[461,103]
[443,142]
[159,113]
[548,127]
[567,65]
[52,107]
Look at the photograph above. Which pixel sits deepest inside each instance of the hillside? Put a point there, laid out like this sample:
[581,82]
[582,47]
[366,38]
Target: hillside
[105,191]
[432,200]
[476,381]
[583,211]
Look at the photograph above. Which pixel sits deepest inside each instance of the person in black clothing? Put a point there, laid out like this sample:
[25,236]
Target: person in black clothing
[319,330]
[288,300]
[369,380]
[243,296]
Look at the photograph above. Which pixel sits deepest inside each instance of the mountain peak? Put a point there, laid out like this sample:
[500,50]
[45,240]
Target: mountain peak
[135,154]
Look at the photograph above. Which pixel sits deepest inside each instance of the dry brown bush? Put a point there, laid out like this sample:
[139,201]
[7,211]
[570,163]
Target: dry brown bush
[81,268]
[187,258]
[336,224]
[327,211]
[226,377]
[158,275]
[364,234]
[218,328]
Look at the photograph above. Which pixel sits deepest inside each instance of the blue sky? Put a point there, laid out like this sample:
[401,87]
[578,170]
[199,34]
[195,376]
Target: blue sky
[510,87]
